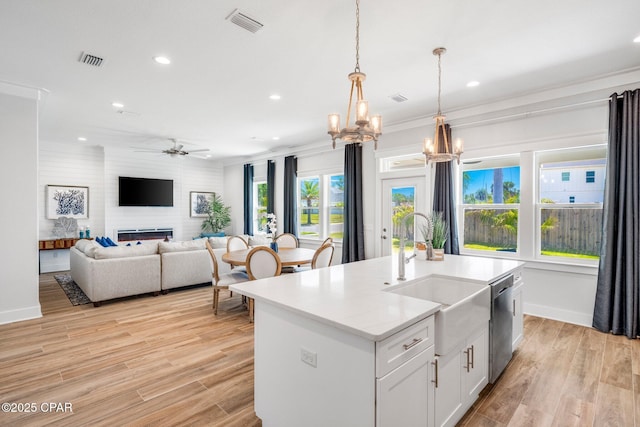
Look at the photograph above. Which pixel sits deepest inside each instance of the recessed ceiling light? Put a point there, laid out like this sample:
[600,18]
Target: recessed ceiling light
[162,60]
[473,83]
[636,40]
[117,104]
[82,138]
[276,138]
[275,97]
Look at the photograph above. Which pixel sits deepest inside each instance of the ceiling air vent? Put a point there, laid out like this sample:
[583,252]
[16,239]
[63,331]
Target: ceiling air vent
[241,19]
[87,58]
[398,98]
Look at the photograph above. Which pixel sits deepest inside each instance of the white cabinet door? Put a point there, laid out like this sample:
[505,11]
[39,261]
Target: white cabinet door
[476,368]
[448,394]
[518,319]
[403,395]
[462,374]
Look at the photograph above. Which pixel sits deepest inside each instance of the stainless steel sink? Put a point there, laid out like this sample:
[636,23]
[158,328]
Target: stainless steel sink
[465,305]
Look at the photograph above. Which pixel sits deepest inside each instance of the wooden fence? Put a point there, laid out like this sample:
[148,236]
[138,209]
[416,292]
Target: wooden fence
[571,231]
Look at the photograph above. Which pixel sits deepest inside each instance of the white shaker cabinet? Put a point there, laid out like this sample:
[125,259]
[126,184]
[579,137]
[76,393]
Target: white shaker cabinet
[404,379]
[461,375]
[518,319]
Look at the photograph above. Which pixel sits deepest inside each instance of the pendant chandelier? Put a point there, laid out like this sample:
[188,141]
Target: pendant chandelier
[439,149]
[365,129]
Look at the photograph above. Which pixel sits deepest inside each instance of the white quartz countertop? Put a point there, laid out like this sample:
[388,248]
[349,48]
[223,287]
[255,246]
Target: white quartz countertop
[351,297]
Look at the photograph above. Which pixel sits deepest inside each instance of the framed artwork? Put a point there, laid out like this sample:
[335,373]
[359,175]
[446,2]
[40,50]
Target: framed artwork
[68,201]
[199,203]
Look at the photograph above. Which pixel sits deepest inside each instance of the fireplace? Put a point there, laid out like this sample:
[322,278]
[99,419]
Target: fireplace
[145,234]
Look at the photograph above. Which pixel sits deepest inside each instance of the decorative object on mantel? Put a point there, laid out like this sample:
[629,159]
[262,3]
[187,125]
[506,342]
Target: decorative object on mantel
[68,201]
[65,227]
[218,216]
[440,150]
[366,129]
[272,226]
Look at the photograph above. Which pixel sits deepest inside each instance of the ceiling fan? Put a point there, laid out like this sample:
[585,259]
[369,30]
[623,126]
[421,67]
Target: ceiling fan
[176,150]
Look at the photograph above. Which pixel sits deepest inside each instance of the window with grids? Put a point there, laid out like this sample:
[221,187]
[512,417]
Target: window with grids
[260,206]
[321,206]
[570,212]
[490,204]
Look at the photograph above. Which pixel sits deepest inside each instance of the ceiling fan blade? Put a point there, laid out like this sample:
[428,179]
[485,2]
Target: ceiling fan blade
[199,150]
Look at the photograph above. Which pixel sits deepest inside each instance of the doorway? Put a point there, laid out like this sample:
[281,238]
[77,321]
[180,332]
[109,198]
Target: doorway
[400,196]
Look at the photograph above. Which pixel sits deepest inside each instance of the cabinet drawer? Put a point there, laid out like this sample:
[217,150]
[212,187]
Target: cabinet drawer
[402,346]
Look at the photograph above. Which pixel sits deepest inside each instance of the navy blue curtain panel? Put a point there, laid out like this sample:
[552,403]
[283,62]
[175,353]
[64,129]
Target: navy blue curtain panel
[443,200]
[353,233]
[617,305]
[248,199]
[271,186]
[290,220]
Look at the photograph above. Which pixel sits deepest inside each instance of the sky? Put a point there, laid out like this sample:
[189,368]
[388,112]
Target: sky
[483,178]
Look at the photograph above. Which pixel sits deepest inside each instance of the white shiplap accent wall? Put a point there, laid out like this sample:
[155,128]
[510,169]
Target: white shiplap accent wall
[72,164]
[188,174]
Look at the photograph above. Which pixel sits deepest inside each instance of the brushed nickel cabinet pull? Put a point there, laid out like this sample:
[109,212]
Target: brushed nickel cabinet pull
[514,308]
[415,342]
[435,363]
[473,356]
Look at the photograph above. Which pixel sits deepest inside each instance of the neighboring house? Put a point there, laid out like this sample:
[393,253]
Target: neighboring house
[573,182]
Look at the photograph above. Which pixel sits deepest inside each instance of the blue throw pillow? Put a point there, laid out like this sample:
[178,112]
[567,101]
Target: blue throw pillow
[102,242]
[110,242]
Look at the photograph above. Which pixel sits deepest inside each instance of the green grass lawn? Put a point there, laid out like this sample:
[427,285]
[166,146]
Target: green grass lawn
[479,247]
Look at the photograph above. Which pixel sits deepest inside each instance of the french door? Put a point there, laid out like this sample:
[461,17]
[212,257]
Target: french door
[400,196]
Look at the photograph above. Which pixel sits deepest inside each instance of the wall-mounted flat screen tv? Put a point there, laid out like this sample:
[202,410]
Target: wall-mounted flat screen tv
[145,192]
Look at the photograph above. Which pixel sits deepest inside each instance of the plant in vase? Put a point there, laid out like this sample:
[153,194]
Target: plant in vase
[218,216]
[272,226]
[440,231]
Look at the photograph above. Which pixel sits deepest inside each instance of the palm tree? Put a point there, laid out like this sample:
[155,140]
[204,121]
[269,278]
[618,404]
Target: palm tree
[309,191]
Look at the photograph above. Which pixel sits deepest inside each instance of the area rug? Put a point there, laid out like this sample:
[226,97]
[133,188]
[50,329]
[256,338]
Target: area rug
[74,293]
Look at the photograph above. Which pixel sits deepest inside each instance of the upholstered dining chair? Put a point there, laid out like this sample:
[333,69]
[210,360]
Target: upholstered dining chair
[236,243]
[327,240]
[262,262]
[287,240]
[222,281]
[323,256]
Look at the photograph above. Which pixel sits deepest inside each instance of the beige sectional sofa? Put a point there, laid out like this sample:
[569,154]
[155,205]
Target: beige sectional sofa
[151,267]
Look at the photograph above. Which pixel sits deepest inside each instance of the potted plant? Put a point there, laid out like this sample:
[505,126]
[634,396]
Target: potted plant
[218,217]
[440,231]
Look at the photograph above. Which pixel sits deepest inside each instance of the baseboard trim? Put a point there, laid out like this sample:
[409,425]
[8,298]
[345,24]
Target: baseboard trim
[568,316]
[26,313]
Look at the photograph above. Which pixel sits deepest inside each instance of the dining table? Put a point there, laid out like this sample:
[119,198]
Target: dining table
[288,256]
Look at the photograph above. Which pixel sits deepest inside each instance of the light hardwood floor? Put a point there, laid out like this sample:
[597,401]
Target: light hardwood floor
[167,360]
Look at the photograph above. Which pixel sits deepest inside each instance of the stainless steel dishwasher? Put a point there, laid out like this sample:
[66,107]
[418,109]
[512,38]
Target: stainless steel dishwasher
[500,327]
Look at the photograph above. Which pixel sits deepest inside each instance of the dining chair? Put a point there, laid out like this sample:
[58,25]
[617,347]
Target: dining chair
[222,281]
[262,262]
[327,240]
[236,243]
[287,240]
[323,256]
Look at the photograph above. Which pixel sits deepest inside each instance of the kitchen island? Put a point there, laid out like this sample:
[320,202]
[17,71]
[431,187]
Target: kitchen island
[328,341]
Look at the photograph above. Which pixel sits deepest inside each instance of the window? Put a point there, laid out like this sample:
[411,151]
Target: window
[570,214]
[260,206]
[566,176]
[490,204]
[321,206]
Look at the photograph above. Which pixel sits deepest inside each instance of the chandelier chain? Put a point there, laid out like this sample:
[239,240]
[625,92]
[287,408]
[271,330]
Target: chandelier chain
[357,69]
[439,81]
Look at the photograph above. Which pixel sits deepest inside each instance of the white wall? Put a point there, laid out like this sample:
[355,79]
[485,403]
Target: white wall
[72,164]
[19,207]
